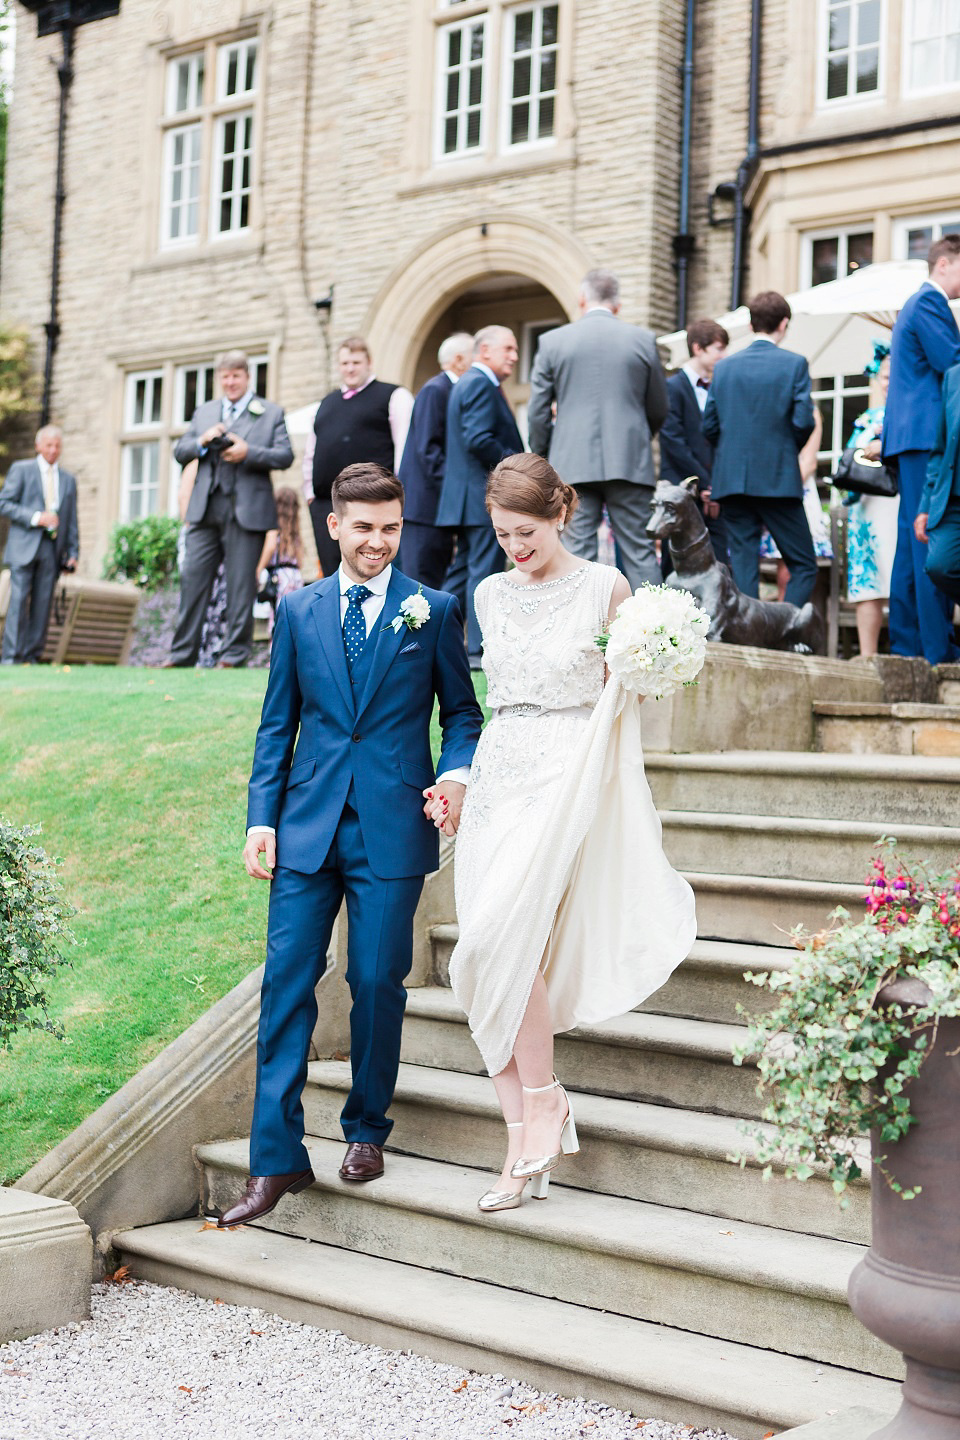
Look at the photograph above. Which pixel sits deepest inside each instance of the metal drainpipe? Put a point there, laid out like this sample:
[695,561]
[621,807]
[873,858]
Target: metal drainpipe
[747,164]
[683,241]
[52,327]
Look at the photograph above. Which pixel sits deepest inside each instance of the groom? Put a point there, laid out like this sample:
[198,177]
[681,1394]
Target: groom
[343,816]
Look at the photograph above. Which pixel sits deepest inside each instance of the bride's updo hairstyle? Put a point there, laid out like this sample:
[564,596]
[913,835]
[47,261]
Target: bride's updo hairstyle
[529,485]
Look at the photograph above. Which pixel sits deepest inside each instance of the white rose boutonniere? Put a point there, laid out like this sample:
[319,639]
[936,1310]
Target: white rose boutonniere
[414,612]
[255,407]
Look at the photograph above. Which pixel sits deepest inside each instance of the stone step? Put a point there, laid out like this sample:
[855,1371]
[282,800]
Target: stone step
[763,910]
[728,1279]
[559,1347]
[655,1058]
[638,1151]
[790,848]
[883,790]
[851,728]
[707,986]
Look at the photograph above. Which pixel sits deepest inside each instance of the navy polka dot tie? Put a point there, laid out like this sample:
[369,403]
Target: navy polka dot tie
[354,625]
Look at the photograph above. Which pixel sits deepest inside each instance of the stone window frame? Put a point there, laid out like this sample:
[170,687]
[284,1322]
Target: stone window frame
[493,155]
[843,234]
[908,88]
[212,115]
[163,433]
[938,222]
[837,389]
[869,97]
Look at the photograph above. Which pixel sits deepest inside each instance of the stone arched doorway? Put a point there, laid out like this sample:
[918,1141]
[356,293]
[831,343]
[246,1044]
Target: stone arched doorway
[520,273]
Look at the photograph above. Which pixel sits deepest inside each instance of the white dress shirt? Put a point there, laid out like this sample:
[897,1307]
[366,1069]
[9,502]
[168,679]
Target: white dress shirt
[479,365]
[372,609]
[399,410]
[701,391]
[50,480]
[231,410]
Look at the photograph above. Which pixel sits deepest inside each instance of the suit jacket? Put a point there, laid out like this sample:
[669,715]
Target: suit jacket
[424,454]
[611,395]
[925,343]
[481,431]
[759,416]
[21,498]
[684,449]
[380,743]
[945,454]
[269,449]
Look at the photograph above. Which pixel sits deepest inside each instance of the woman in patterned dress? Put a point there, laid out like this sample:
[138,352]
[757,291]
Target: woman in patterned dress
[871,521]
[569,913]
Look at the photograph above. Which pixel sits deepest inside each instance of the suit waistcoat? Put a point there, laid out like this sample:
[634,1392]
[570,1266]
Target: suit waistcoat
[351,431]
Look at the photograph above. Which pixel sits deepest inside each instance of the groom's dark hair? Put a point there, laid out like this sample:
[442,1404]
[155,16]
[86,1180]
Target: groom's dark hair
[367,483]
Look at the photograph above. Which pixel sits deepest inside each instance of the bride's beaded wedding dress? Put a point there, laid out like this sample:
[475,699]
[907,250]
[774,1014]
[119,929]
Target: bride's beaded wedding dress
[559,860]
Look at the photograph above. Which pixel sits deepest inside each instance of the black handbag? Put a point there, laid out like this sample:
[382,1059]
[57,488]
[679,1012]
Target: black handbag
[863,476]
[268,590]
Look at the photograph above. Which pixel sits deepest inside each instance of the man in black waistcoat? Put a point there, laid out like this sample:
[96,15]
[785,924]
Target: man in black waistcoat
[365,420]
[684,449]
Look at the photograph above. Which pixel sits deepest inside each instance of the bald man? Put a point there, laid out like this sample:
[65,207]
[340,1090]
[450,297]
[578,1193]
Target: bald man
[481,431]
[40,501]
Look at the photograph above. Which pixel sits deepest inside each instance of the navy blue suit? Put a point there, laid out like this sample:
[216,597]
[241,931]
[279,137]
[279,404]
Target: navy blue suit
[686,451]
[481,431]
[925,344]
[759,415]
[347,808]
[425,548]
[940,501]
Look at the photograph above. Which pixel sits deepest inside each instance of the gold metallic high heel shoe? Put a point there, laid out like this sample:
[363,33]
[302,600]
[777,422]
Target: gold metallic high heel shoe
[510,1199]
[528,1168]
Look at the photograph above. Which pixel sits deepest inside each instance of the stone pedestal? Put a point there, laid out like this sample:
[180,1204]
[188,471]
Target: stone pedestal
[46,1264]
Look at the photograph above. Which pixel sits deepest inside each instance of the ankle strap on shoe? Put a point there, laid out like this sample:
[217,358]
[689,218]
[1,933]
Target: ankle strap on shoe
[513,1124]
[539,1089]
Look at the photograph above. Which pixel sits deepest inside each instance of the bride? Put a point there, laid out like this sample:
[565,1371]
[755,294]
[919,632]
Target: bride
[569,913]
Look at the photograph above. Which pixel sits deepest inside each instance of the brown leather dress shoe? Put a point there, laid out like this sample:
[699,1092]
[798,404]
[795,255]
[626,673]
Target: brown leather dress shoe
[262,1195]
[362,1161]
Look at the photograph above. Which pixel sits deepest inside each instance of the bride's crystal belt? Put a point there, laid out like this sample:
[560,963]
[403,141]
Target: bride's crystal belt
[525,708]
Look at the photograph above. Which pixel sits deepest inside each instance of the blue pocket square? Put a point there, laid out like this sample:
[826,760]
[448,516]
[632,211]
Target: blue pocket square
[414,645]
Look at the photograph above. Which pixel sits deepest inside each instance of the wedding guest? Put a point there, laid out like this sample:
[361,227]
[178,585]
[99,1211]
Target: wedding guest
[759,414]
[938,523]
[425,548]
[684,449]
[40,501]
[871,521]
[817,520]
[610,392]
[280,567]
[925,344]
[481,430]
[238,439]
[215,619]
[364,420]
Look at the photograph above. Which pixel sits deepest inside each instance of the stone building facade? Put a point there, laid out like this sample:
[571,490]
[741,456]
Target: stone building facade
[426,165]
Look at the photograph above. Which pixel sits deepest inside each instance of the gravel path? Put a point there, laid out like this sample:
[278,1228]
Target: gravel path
[158,1364]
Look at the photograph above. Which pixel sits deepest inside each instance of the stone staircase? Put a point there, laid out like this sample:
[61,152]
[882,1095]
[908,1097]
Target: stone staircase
[659,1276]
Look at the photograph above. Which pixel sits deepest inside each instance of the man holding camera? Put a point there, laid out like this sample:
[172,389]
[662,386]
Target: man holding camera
[237,440]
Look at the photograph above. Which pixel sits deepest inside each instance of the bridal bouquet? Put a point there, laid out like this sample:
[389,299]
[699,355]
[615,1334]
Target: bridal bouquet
[657,641]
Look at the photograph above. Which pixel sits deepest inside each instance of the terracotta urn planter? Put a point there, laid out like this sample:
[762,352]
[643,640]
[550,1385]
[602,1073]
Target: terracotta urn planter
[907,1288]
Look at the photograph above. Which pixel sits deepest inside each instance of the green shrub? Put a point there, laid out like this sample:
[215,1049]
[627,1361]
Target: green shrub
[19,386]
[34,931]
[144,551]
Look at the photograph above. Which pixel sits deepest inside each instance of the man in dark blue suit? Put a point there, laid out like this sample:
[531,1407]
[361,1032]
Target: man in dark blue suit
[425,548]
[759,415]
[938,523]
[684,449]
[925,344]
[481,431]
[357,661]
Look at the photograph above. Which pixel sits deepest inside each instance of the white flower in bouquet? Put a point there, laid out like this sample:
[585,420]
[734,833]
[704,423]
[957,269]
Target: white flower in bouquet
[657,642]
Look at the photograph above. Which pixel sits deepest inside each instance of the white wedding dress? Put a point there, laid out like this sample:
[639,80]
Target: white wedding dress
[559,860]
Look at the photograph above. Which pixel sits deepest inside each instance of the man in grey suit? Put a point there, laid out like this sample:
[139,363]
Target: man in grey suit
[40,501]
[611,398]
[238,440]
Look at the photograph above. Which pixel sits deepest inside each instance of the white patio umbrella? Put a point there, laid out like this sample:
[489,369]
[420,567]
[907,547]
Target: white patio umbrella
[834,324]
[300,422]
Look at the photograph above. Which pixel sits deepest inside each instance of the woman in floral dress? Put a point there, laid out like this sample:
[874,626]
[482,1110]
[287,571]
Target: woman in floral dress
[871,522]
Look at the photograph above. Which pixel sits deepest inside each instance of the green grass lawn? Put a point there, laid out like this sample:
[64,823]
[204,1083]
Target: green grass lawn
[138,778]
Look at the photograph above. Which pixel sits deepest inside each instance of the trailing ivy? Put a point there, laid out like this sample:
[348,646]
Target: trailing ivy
[834,1062]
[144,551]
[34,932]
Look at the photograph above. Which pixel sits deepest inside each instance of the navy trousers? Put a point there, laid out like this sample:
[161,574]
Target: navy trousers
[745,517]
[943,551]
[478,555]
[425,552]
[920,614]
[303,909]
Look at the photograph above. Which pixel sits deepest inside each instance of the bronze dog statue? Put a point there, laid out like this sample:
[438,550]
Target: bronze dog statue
[735,618]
